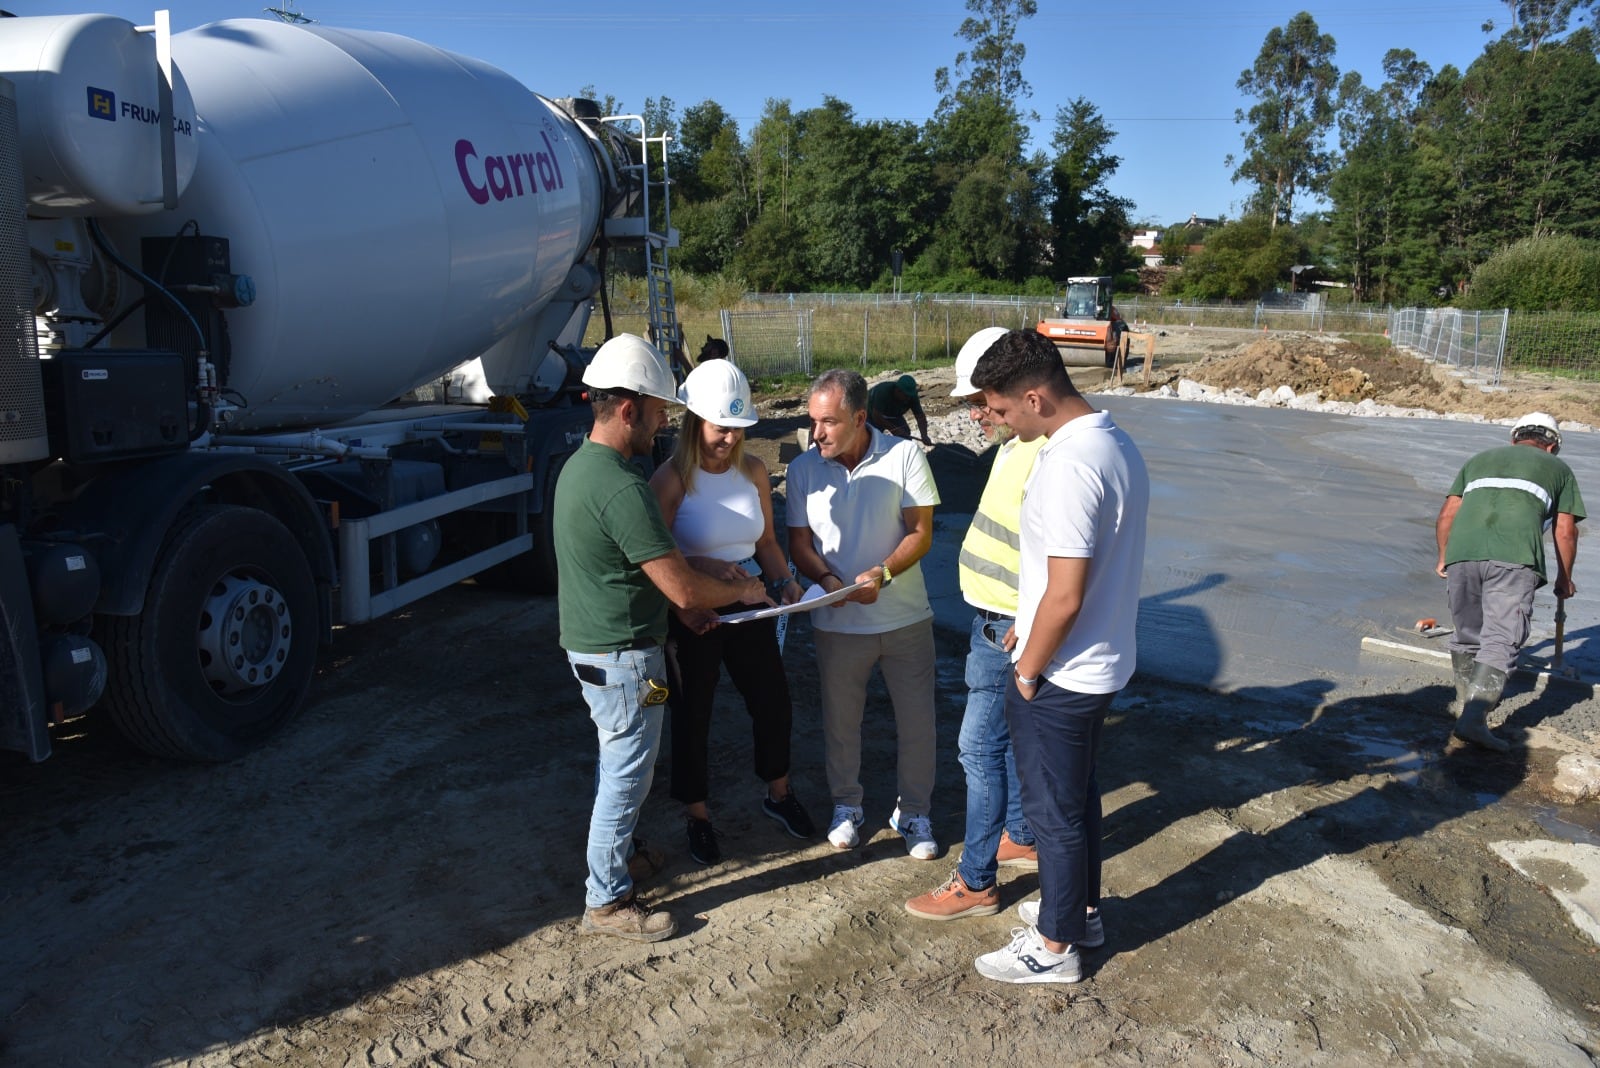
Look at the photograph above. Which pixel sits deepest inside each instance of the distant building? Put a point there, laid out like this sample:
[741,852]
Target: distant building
[1153,257]
[1145,238]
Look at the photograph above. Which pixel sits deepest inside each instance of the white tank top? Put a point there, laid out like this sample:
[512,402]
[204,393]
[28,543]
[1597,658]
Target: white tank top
[720,517]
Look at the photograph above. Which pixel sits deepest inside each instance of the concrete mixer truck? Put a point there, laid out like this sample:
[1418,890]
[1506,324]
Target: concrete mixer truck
[225,254]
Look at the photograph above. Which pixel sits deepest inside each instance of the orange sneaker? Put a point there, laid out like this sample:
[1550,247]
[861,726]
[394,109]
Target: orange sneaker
[1012,855]
[954,900]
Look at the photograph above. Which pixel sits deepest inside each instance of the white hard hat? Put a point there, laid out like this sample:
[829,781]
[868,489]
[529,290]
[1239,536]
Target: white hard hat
[967,359]
[630,362]
[1537,421]
[719,393]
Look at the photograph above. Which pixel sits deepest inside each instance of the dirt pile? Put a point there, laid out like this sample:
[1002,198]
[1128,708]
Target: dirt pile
[1341,370]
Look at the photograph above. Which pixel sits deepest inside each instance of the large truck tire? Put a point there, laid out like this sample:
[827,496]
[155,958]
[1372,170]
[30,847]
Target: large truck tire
[224,652]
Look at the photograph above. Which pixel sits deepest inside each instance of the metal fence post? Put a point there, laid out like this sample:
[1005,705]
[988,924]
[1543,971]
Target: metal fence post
[913,332]
[866,317]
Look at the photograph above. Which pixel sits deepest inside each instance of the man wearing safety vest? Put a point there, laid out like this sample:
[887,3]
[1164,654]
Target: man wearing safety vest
[997,833]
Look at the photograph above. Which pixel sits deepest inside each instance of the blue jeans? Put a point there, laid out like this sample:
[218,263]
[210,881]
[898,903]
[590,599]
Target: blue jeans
[1057,738]
[630,735]
[994,799]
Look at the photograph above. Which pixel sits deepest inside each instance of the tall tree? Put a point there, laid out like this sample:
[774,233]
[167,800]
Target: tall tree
[1240,261]
[1293,81]
[710,176]
[993,66]
[985,186]
[771,152]
[1383,226]
[1535,21]
[1088,225]
[1512,143]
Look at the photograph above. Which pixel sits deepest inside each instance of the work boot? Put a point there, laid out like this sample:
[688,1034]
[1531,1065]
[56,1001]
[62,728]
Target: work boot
[628,918]
[1461,668]
[1483,695]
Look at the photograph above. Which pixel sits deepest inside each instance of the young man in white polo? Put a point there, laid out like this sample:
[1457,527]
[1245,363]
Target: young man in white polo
[1083,536]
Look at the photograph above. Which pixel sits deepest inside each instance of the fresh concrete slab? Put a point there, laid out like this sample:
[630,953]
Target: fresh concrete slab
[1279,539]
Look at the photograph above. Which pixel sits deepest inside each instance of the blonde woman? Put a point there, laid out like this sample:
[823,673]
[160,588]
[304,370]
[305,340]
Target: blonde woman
[718,502]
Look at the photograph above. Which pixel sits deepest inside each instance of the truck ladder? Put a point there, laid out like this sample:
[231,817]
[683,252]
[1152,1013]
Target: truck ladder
[638,226]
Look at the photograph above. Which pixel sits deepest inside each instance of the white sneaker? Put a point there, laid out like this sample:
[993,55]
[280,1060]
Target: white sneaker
[1028,960]
[918,833]
[1094,932]
[842,828]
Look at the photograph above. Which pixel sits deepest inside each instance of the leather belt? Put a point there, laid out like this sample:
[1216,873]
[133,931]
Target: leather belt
[641,643]
[995,617]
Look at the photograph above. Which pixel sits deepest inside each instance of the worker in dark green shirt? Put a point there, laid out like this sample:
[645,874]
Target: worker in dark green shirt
[887,404]
[620,573]
[1490,533]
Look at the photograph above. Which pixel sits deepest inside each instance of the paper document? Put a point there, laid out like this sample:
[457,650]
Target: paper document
[815,597]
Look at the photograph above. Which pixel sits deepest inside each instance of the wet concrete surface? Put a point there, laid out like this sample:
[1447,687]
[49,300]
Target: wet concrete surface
[1278,539]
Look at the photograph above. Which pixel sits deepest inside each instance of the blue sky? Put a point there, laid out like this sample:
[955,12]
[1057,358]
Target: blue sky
[1163,76]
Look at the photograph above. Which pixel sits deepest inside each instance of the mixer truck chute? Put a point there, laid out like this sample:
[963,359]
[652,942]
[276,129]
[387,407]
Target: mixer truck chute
[205,324]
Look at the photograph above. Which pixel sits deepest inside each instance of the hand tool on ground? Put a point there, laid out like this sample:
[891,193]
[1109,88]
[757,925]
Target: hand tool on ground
[1429,628]
[1561,632]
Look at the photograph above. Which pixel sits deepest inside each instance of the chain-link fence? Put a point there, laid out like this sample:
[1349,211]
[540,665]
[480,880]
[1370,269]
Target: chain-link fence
[879,330]
[865,329]
[1310,313]
[1561,344]
[767,343]
[1472,342]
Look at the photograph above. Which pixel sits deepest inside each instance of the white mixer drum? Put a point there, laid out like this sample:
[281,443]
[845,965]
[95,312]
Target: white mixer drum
[400,209]
[88,111]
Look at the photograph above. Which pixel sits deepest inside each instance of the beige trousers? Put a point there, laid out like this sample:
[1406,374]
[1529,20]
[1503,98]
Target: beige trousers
[845,662]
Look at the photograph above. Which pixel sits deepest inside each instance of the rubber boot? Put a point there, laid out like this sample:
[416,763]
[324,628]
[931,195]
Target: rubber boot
[1483,694]
[1461,664]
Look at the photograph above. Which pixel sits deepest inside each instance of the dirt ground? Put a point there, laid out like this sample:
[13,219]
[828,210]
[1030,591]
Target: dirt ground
[397,879]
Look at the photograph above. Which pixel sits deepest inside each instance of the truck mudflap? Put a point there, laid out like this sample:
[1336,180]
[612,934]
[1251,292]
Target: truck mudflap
[22,703]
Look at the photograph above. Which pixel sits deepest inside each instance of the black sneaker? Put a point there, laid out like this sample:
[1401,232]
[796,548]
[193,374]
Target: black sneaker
[792,814]
[703,842]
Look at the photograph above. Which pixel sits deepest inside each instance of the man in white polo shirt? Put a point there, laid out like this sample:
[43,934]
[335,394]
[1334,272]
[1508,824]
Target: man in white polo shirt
[860,509]
[1083,534]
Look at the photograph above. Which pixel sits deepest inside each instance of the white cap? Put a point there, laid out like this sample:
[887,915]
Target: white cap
[630,362]
[719,393]
[1537,421]
[967,359]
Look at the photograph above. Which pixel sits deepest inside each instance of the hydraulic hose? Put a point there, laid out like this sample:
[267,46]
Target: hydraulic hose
[202,421]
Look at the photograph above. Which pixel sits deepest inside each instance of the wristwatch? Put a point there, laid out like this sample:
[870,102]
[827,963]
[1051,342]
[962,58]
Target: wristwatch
[888,576]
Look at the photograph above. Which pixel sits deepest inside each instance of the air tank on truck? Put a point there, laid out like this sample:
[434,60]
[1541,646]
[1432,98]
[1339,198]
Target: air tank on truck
[224,254]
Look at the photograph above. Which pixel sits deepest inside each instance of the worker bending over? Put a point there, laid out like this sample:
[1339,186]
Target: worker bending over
[1490,533]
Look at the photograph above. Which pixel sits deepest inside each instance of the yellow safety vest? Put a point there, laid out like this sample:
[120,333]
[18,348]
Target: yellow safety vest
[991,553]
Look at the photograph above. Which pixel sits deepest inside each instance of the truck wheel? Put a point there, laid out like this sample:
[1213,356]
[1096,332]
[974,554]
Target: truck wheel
[225,649]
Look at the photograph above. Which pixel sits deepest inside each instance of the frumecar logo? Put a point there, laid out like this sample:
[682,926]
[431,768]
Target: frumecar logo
[102,104]
[513,175]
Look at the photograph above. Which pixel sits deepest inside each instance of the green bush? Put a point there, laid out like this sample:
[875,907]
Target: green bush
[1556,272]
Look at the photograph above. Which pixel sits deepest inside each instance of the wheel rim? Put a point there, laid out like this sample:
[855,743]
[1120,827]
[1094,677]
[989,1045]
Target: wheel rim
[245,635]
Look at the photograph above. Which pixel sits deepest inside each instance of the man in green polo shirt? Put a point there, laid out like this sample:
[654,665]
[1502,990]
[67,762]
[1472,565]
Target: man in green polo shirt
[620,572]
[1490,533]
